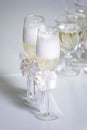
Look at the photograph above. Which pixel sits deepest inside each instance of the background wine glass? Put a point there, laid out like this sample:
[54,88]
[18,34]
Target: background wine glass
[81,5]
[77,17]
[69,39]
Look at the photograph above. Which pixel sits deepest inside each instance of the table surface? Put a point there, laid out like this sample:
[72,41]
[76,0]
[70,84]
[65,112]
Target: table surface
[70,95]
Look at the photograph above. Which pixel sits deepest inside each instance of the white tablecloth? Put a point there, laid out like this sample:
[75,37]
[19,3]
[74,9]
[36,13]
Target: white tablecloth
[70,95]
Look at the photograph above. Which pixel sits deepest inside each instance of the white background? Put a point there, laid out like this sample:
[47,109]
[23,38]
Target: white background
[70,94]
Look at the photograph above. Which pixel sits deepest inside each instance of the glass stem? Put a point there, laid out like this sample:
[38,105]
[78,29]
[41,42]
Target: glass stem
[30,87]
[47,101]
[79,51]
[34,91]
[68,58]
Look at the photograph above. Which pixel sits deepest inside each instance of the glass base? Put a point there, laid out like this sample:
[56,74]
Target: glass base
[46,116]
[31,103]
[69,71]
[85,70]
[79,63]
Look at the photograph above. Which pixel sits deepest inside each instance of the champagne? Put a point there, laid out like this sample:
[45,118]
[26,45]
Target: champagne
[69,36]
[81,19]
[69,40]
[46,64]
[30,50]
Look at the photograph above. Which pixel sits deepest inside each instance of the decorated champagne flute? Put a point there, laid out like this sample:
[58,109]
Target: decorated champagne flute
[30,29]
[48,53]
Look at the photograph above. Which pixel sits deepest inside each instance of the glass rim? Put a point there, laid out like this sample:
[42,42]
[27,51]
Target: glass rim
[50,30]
[77,3]
[59,20]
[61,25]
[33,18]
[62,28]
[75,12]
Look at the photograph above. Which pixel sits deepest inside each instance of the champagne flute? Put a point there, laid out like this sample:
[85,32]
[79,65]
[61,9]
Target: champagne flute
[69,39]
[30,29]
[48,52]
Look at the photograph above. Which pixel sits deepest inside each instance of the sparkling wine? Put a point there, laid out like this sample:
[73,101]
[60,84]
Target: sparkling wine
[46,64]
[68,40]
[30,50]
[69,36]
[81,19]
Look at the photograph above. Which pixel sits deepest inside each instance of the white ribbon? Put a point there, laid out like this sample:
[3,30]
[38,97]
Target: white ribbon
[51,80]
[45,80]
[31,88]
